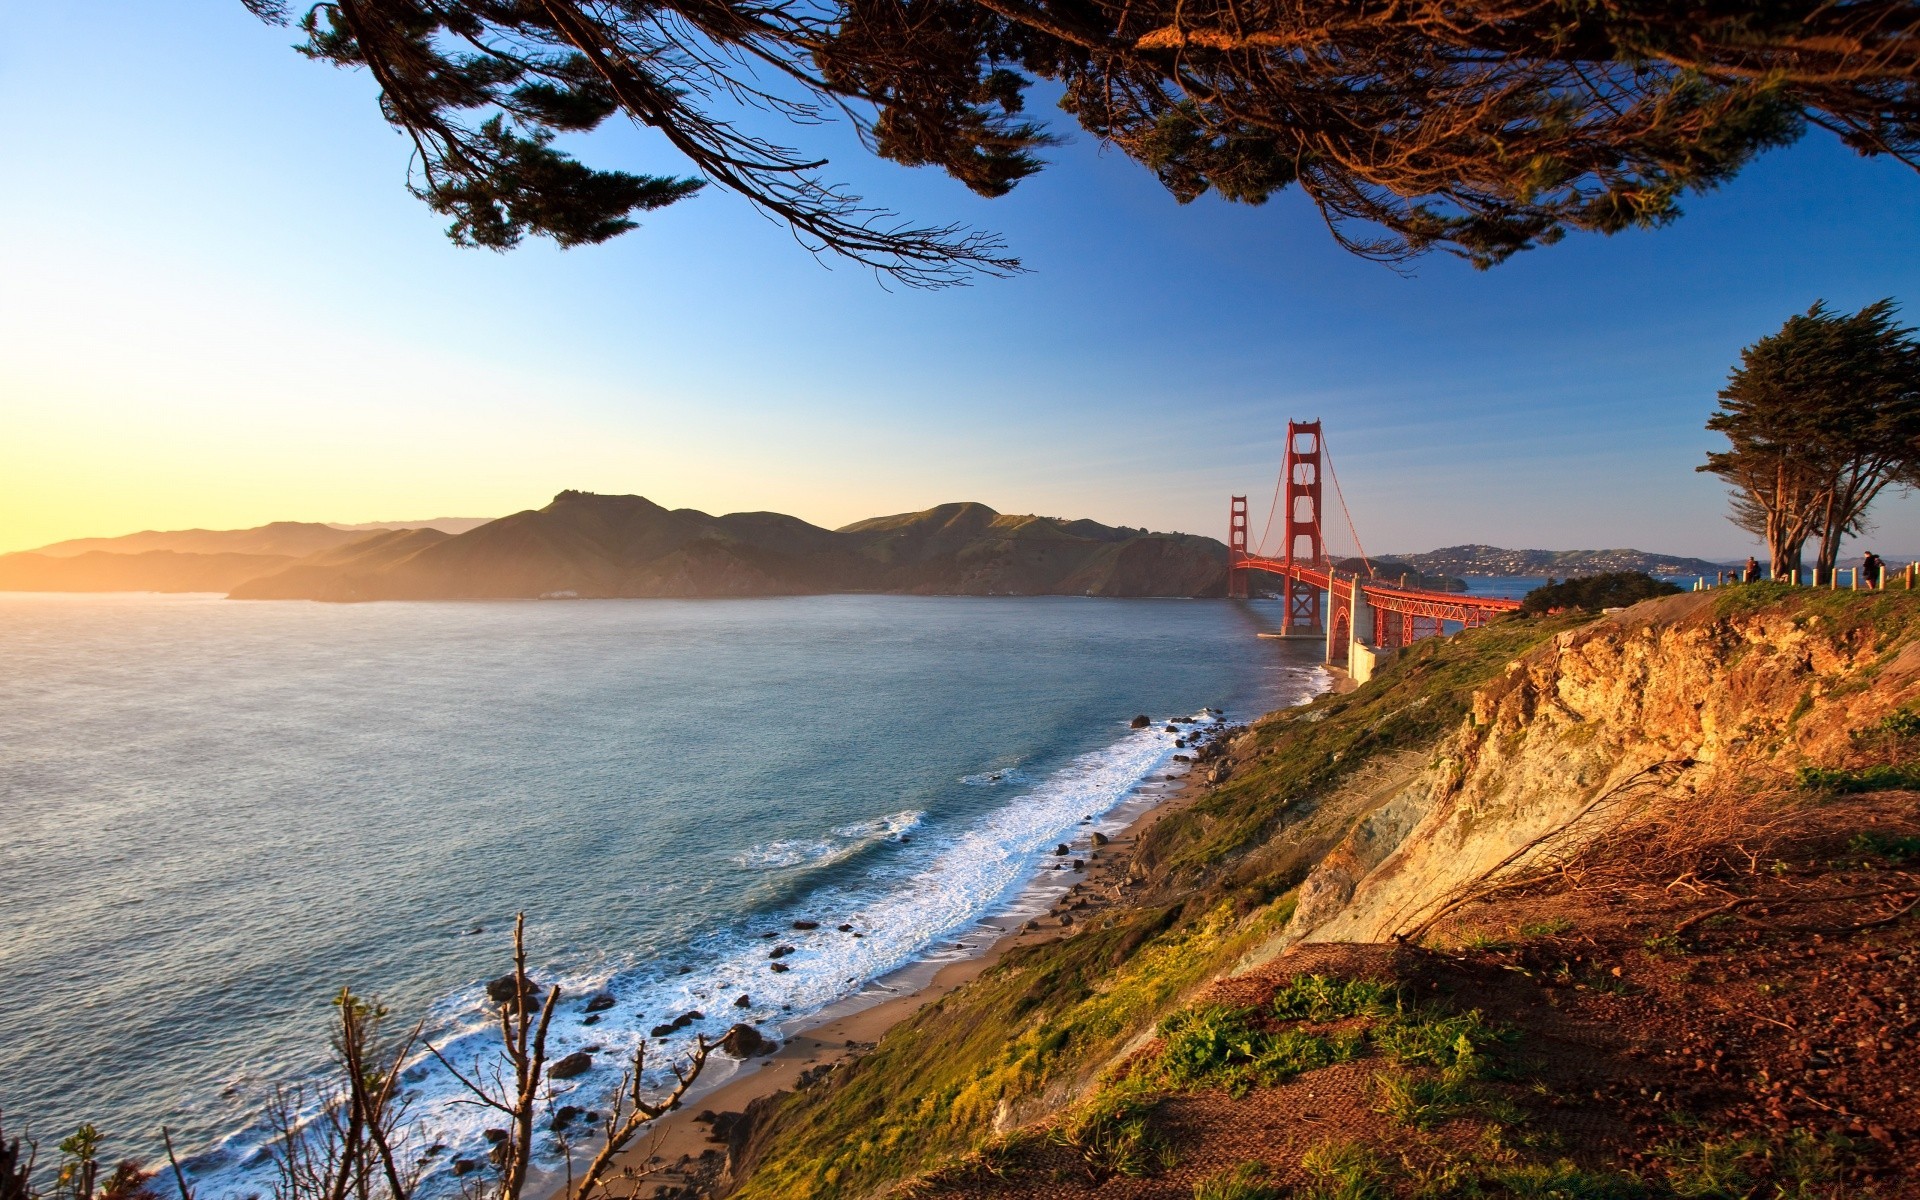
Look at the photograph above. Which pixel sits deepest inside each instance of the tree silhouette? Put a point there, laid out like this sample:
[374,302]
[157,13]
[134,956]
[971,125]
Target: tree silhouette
[1820,418]
[1481,127]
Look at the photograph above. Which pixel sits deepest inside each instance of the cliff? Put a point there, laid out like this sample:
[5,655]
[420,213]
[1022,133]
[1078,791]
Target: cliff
[1560,907]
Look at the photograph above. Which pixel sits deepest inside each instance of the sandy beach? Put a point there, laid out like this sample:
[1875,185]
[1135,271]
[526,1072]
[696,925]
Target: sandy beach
[681,1149]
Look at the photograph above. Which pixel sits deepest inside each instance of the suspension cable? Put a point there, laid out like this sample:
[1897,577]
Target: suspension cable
[1341,496]
[1278,483]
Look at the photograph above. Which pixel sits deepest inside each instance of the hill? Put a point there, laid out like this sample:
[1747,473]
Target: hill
[1493,560]
[288,539]
[1400,573]
[587,545]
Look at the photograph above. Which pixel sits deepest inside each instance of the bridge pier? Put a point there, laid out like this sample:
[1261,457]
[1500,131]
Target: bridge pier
[1351,620]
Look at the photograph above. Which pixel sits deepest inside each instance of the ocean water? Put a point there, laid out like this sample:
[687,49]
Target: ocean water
[218,813]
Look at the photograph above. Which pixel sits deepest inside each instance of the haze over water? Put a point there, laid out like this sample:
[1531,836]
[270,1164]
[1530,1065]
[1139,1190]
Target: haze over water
[220,812]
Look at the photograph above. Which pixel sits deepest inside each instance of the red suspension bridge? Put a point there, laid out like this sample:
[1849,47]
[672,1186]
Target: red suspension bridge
[1351,609]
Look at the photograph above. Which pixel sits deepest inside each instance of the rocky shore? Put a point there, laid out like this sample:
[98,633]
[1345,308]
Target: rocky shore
[693,1152]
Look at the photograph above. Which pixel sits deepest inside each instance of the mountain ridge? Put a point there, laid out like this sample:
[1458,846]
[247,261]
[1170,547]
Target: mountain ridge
[586,545]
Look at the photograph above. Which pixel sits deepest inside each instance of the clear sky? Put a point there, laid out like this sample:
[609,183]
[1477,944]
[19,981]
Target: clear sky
[219,307]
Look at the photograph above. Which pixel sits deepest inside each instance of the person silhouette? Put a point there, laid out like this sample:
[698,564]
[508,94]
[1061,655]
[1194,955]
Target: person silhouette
[1871,570]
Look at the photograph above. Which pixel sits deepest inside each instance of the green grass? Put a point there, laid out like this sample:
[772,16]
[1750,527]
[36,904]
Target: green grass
[1248,1181]
[1802,1166]
[1222,1047]
[1880,845]
[930,1092]
[1344,1171]
[1842,781]
[1329,998]
[1115,1135]
[1551,927]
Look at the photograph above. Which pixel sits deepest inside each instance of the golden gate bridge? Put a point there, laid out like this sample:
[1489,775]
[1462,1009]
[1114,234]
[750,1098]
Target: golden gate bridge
[1354,611]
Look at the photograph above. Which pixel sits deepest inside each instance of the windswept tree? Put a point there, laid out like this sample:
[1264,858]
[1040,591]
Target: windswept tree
[1820,418]
[1481,127]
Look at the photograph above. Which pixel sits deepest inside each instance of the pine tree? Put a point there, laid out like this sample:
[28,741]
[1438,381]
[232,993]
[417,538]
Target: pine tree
[1820,418]
[1481,127]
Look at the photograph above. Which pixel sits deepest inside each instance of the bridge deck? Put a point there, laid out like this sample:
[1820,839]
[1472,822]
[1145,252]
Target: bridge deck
[1413,602]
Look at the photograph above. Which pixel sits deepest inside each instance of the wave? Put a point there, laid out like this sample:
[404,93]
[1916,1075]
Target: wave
[904,907]
[841,844]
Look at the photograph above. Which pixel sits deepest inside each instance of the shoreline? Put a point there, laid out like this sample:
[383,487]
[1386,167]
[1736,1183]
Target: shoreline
[680,1149]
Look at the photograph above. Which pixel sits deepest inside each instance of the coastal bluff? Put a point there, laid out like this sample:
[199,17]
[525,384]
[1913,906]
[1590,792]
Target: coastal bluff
[1566,905]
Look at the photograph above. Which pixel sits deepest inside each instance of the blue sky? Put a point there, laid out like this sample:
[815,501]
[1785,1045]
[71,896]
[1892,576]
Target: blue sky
[218,306]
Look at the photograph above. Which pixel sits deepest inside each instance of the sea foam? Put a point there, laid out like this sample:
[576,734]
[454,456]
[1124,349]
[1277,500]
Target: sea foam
[915,906]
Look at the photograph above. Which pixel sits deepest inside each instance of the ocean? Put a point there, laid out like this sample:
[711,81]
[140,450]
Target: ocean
[218,813]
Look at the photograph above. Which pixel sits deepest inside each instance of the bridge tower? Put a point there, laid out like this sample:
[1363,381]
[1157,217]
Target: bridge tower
[1237,549]
[1302,493]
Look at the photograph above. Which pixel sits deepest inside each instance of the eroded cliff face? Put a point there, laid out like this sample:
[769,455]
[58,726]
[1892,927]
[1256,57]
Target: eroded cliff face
[1685,693]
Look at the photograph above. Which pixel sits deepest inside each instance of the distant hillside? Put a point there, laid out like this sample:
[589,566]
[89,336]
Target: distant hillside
[1398,572]
[1493,560]
[292,539]
[587,545]
[152,571]
[443,524]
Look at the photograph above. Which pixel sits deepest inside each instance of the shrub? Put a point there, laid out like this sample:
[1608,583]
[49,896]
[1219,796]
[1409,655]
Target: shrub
[1840,781]
[1223,1047]
[1320,998]
[1616,589]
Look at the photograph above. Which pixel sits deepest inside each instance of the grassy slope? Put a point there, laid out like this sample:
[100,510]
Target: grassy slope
[1051,1015]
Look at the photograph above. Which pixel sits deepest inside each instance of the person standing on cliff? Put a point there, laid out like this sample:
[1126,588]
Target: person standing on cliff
[1752,571]
[1871,569]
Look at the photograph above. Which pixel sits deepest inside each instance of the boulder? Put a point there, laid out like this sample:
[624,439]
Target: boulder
[462,1166]
[1100,839]
[1060,850]
[743,1001]
[806,924]
[593,1019]
[494,1136]
[565,1117]
[600,1003]
[844,928]
[781,951]
[779,968]
[577,1063]
[661,1031]
[1141,721]
[500,990]
[744,1041]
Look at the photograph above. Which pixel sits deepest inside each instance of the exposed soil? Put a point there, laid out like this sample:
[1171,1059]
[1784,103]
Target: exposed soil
[1735,1032]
